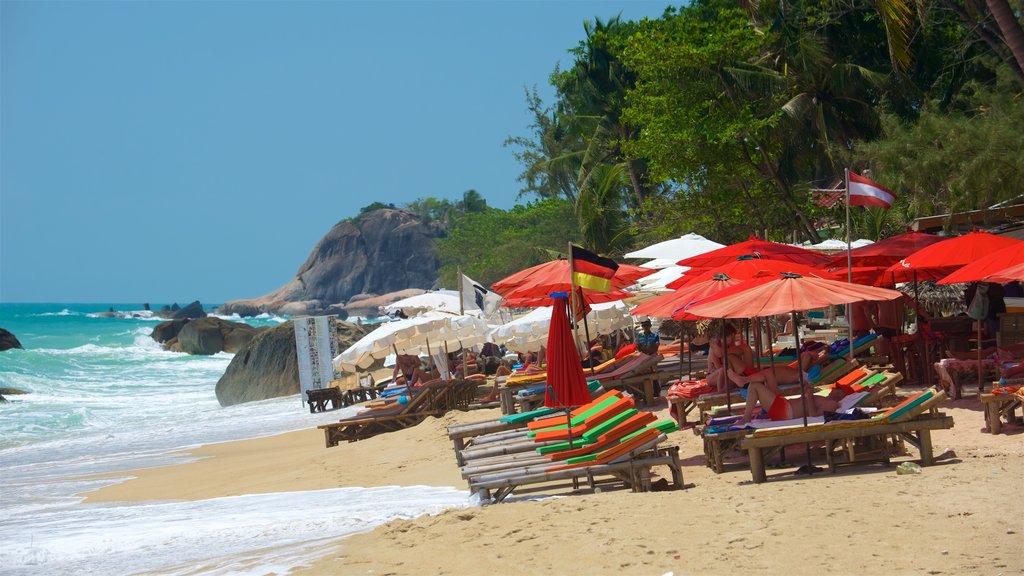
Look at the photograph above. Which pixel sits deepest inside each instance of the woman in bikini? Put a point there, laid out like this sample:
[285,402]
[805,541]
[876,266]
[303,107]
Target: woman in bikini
[779,407]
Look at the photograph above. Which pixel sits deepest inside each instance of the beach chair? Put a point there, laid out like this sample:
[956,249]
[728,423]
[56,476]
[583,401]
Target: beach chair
[911,421]
[637,375]
[622,448]
[432,399]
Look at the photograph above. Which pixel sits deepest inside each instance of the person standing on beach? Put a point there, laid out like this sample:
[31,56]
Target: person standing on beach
[646,340]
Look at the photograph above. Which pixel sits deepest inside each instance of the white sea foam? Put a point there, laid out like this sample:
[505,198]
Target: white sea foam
[239,534]
[64,312]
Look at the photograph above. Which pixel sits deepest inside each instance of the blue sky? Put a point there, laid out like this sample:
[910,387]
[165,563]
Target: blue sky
[171,151]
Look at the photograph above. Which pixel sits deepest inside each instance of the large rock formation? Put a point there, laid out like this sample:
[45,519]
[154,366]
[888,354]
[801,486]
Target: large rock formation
[204,336]
[268,366]
[379,252]
[8,340]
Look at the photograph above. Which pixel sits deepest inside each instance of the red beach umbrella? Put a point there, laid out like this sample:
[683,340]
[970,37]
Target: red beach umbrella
[785,293]
[744,268]
[866,275]
[556,272]
[886,252]
[665,305]
[567,387]
[987,265]
[940,259]
[1013,273]
[758,247]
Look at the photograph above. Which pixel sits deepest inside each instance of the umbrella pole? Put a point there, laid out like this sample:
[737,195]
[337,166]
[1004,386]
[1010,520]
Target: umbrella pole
[803,391]
[586,333]
[725,372]
[757,342]
[771,350]
[430,356]
[447,360]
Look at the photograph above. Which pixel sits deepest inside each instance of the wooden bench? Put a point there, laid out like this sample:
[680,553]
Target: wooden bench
[998,405]
[318,398]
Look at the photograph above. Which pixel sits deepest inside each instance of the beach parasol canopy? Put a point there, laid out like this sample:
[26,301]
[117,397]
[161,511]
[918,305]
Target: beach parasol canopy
[757,247]
[744,268]
[888,251]
[530,332]
[977,270]
[938,260]
[441,300]
[866,275]
[557,272]
[666,305]
[658,281]
[785,293]
[683,247]
[567,386]
[1013,273]
[413,336]
[534,286]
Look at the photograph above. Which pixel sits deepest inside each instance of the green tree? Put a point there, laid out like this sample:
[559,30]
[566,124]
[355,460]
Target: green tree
[493,244]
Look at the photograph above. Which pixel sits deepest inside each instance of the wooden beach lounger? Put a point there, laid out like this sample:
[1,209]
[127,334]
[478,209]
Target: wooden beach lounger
[907,421]
[432,399]
[718,444]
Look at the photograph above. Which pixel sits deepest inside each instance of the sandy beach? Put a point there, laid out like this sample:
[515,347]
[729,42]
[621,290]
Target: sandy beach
[963,516]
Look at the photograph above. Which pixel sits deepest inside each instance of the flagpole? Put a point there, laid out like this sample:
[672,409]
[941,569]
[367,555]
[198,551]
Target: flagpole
[572,302]
[849,268]
[458,279]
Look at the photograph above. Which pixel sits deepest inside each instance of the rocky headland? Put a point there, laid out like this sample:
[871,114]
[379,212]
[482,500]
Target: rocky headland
[380,252]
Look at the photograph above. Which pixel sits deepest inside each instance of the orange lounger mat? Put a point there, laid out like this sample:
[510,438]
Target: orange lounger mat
[606,456]
[561,433]
[560,419]
[608,439]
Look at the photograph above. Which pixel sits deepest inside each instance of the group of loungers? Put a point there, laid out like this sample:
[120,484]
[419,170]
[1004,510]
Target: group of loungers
[606,438]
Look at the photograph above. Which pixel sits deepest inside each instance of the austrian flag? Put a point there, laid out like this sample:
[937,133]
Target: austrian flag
[864,192]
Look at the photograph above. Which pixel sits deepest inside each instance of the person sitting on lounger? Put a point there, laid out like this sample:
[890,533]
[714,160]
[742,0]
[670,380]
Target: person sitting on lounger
[739,358]
[408,371]
[779,407]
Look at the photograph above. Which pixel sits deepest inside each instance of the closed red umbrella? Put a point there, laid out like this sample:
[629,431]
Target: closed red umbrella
[978,269]
[888,251]
[567,386]
[665,305]
[758,247]
[744,268]
[940,259]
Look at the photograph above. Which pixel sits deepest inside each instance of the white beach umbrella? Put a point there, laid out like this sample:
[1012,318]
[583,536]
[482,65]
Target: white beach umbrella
[678,248]
[431,331]
[530,332]
[439,300]
[656,282]
[659,263]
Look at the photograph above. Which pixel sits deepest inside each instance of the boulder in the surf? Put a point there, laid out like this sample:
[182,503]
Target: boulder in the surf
[267,367]
[8,340]
[193,310]
[210,335]
[165,331]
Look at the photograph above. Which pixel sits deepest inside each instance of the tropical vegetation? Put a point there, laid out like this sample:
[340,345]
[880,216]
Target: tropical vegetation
[729,119]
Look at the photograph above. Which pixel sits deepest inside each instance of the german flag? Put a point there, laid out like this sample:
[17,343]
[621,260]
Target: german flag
[591,271]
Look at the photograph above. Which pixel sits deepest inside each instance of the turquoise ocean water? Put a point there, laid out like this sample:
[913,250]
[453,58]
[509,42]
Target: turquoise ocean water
[104,397]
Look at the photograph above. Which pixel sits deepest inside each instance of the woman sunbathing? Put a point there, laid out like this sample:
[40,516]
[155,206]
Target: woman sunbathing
[773,376]
[408,370]
[779,407]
